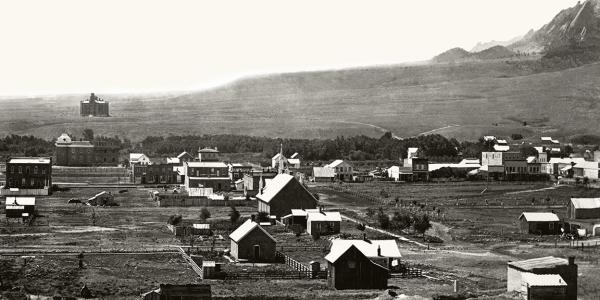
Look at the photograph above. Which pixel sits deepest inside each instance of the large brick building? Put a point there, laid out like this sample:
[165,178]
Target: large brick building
[94,106]
[85,153]
[29,173]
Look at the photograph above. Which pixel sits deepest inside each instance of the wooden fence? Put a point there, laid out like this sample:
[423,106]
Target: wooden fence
[282,275]
[292,263]
[186,201]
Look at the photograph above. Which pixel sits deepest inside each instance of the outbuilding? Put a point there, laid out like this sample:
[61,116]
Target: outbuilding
[584,208]
[518,274]
[539,223]
[323,223]
[252,242]
[18,207]
[102,198]
[543,287]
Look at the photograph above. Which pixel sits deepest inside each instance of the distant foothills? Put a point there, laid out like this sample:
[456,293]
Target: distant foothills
[435,147]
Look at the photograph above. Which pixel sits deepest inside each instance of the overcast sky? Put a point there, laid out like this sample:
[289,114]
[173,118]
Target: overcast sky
[64,46]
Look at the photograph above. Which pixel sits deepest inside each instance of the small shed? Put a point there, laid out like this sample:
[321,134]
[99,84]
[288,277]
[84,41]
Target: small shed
[350,268]
[201,229]
[517,273]
[383,252]
[323,223]
[102,198]
[17,206]
[252,242]
[543,287]
[323,174]
[539,223]
[297,217]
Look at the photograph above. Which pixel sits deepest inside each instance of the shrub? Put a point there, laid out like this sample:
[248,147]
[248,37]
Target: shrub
[204,214]
[234,215]
[421,223]
[516,136]
[384,219]
[361,226]
[175,220]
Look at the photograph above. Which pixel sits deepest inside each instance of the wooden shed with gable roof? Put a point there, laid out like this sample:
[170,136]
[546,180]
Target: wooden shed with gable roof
[252,242]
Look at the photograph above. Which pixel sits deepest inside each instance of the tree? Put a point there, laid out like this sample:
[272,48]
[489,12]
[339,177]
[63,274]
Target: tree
[88,134]
[234,215]
[361,226]
[370,212]
[421,224]
[401,220]
[204,214]
[527,151]
[516,136]
[174,220]
[263,216]
[383,218]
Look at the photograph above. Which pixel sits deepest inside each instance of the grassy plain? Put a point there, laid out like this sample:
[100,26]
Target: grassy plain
[457,100]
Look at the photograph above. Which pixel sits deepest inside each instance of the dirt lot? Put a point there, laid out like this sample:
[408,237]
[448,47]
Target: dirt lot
[118,275]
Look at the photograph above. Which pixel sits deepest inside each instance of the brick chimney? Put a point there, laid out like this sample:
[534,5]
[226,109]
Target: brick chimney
[378,250]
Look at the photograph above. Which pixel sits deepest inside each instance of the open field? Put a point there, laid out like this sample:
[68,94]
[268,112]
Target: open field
[478,240]
[457,100]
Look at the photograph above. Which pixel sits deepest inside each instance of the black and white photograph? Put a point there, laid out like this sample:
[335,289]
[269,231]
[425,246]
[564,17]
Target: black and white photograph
[287,149]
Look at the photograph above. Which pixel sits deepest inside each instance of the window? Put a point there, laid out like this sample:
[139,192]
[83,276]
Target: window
[26,170]
[32,182]
[35,170]
[43,171]
[351,264]
[20,170]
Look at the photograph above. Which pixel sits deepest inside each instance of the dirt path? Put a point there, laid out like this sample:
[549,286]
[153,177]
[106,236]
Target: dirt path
[531,191]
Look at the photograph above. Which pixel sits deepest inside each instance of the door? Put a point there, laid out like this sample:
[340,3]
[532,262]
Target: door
[256,252]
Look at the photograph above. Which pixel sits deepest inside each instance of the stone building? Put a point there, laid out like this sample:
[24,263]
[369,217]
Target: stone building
[85,153]
[94,107]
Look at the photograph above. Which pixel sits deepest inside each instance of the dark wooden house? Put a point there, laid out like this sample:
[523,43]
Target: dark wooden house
[282,194]
[251,242]
[539,223]
[351,269]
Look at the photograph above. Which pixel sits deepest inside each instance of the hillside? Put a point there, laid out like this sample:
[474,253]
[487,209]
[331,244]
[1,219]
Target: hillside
[461,55]
[464,100]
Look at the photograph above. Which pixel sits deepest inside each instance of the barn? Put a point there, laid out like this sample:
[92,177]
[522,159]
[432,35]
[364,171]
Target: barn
[539,223]
[323,223]
[584,208]
[349,267]
[282,194]
[251,242]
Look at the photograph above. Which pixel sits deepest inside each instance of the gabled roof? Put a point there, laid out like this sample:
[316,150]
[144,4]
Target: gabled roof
[556,160]
[335,163]
[324,216]
[133,157]
[245,229]
[184,153]
[538,263]
[173,160]
[294,161]
[201,226]
[295,155]
[531,159]
[22,201]
[590,165]
[586,203]
[389,248]
[277,156]
[98,195]
[501,142]
[539,217]
[469,161]
[543,280]
[274,186]
[303,212]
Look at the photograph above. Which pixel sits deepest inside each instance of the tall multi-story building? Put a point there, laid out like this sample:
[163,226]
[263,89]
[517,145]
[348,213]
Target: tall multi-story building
[29,174]
[94,106]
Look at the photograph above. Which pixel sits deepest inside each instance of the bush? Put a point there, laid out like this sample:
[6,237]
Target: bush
[234,215]
[432,239]
[204,214]
[516,136]
[370,212]
[401,220]
[384,219]
[175,220]
[361,226]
